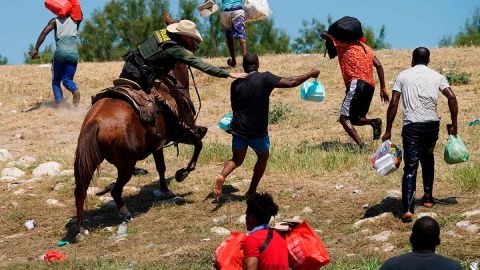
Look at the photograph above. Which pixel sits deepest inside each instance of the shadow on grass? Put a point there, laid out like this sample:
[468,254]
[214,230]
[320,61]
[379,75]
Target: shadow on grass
[227,196]
[138,204]
[394,206]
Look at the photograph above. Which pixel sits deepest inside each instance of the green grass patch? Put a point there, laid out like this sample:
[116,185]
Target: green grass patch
[358,264]
[468,177]
[278,112]
[456,77]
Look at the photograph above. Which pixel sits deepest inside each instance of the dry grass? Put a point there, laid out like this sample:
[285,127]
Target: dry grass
[310,155]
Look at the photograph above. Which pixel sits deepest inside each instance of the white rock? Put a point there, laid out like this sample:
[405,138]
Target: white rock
[371,220]
[339,186]
[392,194]
[5,155]
[9,179]
[219,219]
[365,206]
[30,224]
[220,231]
[388,247]
[12,172]
[242,219]
[49,168]
[381,237]
[60,186]
[122,230]
[53,202]
[205,239]
[66,172]
[19,192]
[26,161]
[427,214]
[470,214]
[18,136]
[307,210]
[468,226]
[357,191]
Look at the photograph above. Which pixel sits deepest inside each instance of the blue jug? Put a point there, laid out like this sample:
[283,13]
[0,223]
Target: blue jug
[312,91]
[225,122]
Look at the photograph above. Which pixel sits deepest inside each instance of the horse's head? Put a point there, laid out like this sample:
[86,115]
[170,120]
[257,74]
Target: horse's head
[167,19]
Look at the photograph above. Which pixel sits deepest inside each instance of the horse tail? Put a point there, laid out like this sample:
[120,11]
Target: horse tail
[87,160]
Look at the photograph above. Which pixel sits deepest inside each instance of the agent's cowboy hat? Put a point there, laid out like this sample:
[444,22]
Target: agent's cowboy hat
[186,28]
[208,8]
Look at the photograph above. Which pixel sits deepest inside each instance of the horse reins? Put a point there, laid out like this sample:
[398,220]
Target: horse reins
[197,114]
[198,95]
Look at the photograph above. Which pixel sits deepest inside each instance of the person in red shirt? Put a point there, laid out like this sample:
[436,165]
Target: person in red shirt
[264,248]
[356,61]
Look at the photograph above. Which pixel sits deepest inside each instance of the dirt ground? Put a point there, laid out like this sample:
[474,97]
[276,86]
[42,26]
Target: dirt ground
[311,155]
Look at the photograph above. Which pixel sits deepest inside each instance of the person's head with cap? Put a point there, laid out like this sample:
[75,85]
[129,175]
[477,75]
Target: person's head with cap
[425,234]
[250,62]
[420,56]
[187,31]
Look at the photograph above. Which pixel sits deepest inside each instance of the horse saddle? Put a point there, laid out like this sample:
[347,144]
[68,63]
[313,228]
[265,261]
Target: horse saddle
[132,93]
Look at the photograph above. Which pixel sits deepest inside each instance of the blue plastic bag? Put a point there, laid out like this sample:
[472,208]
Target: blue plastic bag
[455,150]
[312,91]
[225,122]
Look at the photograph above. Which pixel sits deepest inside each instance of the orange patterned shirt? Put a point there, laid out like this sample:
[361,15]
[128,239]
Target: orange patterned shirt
[356,61]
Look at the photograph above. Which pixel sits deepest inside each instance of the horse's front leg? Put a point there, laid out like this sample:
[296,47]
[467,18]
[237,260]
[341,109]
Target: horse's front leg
[181,174]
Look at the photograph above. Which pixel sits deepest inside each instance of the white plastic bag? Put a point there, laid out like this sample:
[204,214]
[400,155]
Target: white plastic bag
[256,9]
[387,158]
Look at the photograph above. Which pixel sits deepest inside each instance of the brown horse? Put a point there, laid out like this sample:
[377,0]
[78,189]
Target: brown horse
[112,131]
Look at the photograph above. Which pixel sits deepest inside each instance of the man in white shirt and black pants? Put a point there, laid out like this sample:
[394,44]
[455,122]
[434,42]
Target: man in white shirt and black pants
[419,87]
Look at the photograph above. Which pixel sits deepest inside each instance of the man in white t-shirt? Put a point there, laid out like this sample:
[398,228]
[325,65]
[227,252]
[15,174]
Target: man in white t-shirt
[419,87]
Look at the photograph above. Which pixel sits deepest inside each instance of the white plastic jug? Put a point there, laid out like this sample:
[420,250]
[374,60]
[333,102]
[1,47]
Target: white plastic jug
[385,165]
[312,91]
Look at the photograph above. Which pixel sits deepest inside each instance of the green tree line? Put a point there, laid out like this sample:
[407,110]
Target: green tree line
[121,25]
[469,36]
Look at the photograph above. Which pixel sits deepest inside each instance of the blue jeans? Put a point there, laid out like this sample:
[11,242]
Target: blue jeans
[419,141]
[63,72]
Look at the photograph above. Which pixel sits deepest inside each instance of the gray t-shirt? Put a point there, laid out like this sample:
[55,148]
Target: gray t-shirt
[419,86]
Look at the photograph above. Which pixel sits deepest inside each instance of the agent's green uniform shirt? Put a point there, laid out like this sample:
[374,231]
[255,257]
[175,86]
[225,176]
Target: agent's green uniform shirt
[162,54]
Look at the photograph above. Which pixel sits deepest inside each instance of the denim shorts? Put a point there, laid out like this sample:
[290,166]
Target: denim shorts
[259,145]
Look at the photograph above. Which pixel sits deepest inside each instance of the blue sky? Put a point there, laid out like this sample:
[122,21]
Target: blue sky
[409,23]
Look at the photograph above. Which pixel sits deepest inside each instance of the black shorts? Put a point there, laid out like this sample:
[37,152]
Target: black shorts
[357,100]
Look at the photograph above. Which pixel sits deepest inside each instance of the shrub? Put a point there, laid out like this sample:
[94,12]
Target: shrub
[456,77]
[278,113]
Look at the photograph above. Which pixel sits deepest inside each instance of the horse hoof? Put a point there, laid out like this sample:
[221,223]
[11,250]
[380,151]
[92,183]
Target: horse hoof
[181,174]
